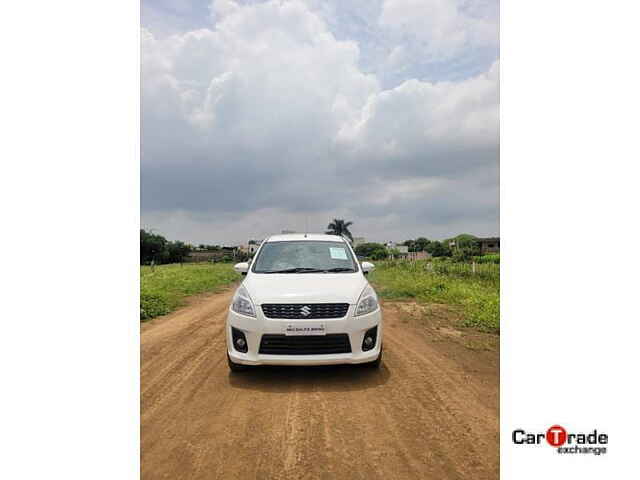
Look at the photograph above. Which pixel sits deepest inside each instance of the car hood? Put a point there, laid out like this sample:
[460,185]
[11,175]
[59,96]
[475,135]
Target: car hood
[305,287]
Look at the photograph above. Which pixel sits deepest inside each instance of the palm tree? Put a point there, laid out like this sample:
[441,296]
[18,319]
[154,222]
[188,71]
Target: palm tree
[340,227]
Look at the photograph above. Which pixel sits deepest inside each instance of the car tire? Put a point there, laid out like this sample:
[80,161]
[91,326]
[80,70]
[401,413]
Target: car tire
[235,367]
[377,362]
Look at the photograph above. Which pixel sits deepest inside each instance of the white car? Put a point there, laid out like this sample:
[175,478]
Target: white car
[305,301]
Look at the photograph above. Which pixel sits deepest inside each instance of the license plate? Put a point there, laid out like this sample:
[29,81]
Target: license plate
[305,329]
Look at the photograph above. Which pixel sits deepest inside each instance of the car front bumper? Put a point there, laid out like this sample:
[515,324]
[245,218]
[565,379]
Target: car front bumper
[254,328]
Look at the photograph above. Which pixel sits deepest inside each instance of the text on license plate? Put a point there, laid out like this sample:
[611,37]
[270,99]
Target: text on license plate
[308,329]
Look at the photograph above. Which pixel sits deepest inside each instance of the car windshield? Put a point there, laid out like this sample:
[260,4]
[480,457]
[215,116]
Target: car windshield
[305,256]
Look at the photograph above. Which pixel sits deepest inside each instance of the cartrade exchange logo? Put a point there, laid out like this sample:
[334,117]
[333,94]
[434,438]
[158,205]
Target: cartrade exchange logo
[593,442]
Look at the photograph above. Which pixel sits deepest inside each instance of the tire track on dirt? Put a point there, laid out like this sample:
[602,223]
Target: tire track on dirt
[437,422]
[420,416]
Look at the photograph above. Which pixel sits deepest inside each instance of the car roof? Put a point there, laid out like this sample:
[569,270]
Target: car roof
[318,237]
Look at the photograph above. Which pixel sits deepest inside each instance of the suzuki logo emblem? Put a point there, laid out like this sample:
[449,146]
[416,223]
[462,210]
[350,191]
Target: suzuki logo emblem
[306,310]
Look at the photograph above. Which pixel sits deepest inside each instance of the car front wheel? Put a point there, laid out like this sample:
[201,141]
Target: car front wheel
[235,367]
[377,362]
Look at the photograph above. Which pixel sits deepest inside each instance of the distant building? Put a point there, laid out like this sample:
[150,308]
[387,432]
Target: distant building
[251,246]
[254,245]
[220,254]
[418,255]
[489,245]
[395,246]
[400,251]
[286,232]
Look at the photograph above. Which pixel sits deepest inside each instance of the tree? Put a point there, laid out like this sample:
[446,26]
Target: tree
[410,244]
[176,251]
[420,244]
[156,248]
[462,255]
[438,249]
[417,245]
[375,251]
[464,240]
[340,227]
[152,246]
[394,253]
[379,254]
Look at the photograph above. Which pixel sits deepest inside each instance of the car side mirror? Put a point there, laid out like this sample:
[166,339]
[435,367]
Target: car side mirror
[241,268]
[368,267]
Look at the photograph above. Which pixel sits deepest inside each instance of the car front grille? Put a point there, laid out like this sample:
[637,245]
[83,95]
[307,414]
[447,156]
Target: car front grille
[305,310]
[305,344]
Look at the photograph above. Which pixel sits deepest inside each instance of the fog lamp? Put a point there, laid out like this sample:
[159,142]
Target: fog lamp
[239,340]
[370,337]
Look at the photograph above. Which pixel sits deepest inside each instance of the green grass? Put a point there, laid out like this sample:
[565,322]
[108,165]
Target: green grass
[164,288]
[477,294]
[487,258]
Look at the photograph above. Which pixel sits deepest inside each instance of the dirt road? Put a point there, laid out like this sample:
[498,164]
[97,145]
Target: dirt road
[430,412]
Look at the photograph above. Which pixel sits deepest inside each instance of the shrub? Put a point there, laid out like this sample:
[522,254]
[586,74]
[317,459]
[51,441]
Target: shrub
[446,282]
[164,288]
[488,258]
[375,251]
[153,305]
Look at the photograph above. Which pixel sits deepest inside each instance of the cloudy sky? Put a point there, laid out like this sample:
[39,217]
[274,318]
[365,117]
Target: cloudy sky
[259,116]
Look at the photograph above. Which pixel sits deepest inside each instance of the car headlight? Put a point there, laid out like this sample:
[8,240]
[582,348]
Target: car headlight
[242,303]
[368,301]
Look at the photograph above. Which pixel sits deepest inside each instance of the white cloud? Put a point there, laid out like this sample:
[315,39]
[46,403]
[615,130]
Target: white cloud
[429,128]
[267,111]
[444,27]
[266,69]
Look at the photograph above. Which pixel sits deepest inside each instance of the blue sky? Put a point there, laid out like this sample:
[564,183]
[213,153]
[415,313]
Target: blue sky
[259,116]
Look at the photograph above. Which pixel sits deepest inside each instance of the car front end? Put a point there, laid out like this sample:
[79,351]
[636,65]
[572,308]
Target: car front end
[265,340]
[305,318]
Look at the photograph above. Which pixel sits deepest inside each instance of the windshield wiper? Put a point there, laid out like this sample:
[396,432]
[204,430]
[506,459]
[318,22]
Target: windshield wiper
[310,270]
[294,270]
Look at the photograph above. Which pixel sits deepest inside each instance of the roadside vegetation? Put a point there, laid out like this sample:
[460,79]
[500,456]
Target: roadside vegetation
[157,250]
[474,289]
[461,248]
[163,288]
[454,273]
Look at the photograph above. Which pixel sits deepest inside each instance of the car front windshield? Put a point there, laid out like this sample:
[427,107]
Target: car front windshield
[305,256]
